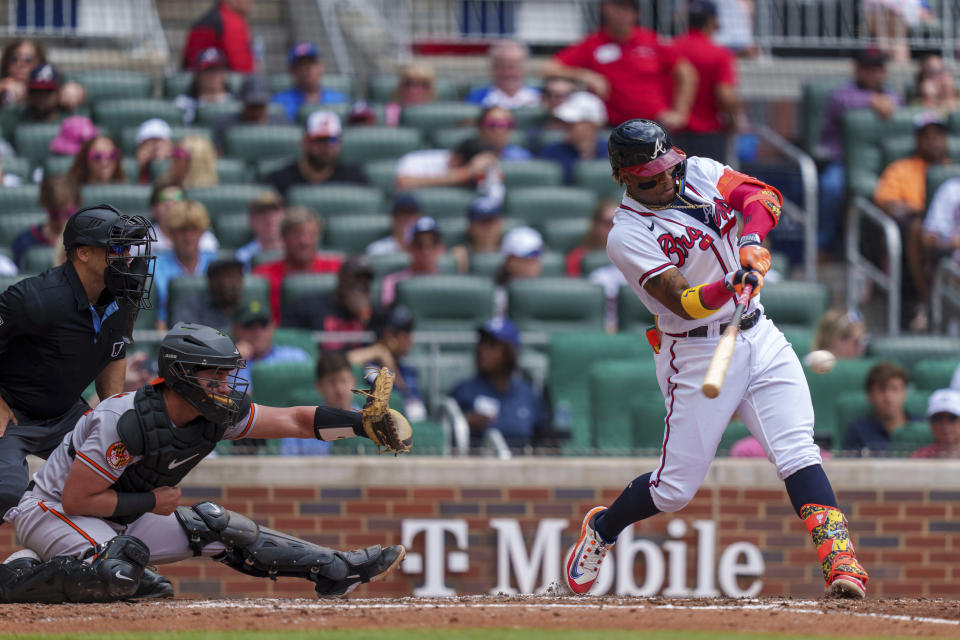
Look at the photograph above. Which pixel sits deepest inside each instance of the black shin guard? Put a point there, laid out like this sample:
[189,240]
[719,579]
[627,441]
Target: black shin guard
[265,553]
[114,575]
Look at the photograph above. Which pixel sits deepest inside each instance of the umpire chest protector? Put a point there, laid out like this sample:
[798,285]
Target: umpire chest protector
[169,452]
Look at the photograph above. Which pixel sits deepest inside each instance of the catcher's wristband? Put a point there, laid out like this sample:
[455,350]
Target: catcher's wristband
[330,423]
[134,504]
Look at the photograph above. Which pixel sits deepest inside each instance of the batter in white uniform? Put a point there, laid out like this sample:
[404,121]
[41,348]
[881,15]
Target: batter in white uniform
[675,240]
[108,494]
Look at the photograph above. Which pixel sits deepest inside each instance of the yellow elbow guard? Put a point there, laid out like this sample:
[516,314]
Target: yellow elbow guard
[692,303]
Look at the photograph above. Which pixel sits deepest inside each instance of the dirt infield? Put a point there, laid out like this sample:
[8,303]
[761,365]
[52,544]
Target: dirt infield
[895,617]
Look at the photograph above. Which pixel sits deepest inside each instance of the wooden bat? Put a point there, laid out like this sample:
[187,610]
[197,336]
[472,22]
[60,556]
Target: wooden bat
[717,370]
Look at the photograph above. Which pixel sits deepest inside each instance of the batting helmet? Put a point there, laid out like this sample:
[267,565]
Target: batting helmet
[644,148]
[129,273]
[188,349]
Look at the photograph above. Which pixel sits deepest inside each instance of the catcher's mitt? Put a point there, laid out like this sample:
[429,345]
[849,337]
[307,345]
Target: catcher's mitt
[385,426]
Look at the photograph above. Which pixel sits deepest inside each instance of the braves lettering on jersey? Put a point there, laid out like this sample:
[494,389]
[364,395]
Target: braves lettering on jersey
[97,444]
[700,241]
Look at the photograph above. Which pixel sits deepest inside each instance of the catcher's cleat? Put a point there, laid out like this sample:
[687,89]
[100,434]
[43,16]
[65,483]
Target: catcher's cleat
[843,575]
[365,565]
[153,585]
[583,560]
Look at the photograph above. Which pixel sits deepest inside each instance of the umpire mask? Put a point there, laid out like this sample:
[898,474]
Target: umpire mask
[129,273]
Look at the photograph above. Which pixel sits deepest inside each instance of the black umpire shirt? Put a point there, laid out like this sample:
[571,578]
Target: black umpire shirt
[53,342]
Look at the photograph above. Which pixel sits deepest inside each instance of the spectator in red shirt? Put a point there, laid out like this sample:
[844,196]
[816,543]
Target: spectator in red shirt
[224,27]
[301,233]
[629,68]
[717,108]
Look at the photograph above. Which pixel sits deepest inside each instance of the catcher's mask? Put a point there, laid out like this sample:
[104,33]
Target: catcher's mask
[201,364]
[127,239]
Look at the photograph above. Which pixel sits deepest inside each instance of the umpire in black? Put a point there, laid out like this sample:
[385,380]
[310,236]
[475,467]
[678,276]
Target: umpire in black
[62,330]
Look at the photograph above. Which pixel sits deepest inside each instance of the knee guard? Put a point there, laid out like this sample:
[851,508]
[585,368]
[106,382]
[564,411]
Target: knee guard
[114,575]
[262,552]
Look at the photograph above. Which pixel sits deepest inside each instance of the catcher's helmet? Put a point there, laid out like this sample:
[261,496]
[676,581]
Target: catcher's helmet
[129,274]
[189,348]
[644,148]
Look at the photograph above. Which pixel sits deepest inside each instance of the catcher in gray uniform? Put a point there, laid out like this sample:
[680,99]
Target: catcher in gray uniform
[106,502]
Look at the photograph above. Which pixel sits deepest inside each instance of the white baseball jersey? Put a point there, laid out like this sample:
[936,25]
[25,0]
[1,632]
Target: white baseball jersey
[98,445]
[44,526]
[701,243]
[765,384]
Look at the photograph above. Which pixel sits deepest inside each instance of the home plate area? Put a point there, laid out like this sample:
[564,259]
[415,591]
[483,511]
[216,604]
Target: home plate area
[874,618]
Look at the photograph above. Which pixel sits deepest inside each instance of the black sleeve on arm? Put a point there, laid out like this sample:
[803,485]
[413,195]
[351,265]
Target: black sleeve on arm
[333,423]
[13,314]
[134,504]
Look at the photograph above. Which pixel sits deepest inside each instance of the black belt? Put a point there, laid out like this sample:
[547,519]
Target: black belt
[746,322]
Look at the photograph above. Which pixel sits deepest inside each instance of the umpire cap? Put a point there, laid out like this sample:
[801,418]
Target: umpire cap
[643,148]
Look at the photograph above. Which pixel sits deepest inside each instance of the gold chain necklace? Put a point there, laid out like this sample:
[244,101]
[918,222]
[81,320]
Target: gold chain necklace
[686,205]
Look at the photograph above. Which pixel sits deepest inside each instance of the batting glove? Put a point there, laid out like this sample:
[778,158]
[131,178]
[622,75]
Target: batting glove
[753,254]
[735,281]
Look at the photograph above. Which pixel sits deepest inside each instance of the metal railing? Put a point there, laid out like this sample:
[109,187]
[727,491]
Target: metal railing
[858,266]
[808,214]
[946,289]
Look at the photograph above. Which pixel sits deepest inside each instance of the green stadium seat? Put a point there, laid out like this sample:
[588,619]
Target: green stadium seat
[537,205]
[447,302]
[13,224]
[486,264]
[444,202]
[453,230]
[331,200]
[232,230]
[595,175]
[850,406]
[147,318]
[816,96]
[380,88]
[565,234]
[529,117]
[17,166]
[301,338]
[614,429]
[265,256]
[7,281]
[33,140]
[863,135]
[366,144]
[37,259]
[282,81]
[351,234]
[209,113]
[232,171]
[556,304]
[342,109]
[795,302]
[128,137]
[553,264]
[305,284]
[178,82]
[439,115]
[184,287]
[227,199]
[107,84]
[380,173]
[632,315]
[133,199]
[256,288]
[429,439]
[907,351]
[910,437]
[385,263]
[278,385]
[252,144]
[930,375]
[800,337]
[846,376]
[58,165]
[592,261]
[9,119]
[450,137]
[269,165]
[936,176]
[570,355]
[531,173]
[114,115]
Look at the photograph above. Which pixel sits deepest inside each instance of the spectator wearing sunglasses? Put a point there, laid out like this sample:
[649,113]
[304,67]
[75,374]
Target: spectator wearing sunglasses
[186,222]
[495,127]
[167,192]
[60,197]
[417,84]
[98,162]
[319,161]
[19,58]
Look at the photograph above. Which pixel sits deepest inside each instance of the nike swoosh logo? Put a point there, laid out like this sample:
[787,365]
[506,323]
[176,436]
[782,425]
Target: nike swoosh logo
[651,226]
[574,571]
[119,574]
[176,463]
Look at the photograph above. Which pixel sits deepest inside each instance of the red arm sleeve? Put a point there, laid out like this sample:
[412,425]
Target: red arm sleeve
[759,202]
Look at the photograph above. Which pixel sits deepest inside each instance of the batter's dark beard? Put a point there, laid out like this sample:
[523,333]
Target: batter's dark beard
[644,200]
